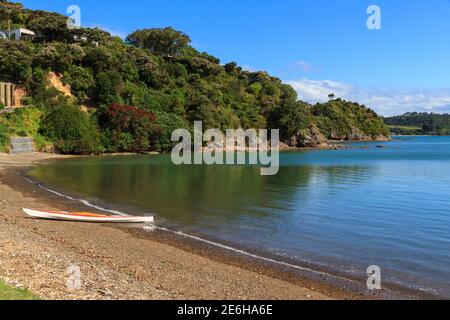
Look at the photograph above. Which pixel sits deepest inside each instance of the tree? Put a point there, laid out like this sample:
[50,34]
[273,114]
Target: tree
[291,118]
[167,41]
[128,129]
[109,87]
[91,36]
[49,26]
[331,96]
[11,14]
[99,58]
[230,68]
[15,61]
[59,56]
[81,81]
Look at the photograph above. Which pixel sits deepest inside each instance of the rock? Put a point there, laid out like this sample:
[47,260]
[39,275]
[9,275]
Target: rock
[382,138]
[286,147]
[309,138]
[49,148]
[357,135]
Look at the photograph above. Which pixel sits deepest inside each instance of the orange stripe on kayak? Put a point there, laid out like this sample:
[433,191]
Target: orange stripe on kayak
[79,214]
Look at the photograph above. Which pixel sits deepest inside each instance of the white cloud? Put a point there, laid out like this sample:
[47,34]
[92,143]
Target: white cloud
[386,101]
[304,66]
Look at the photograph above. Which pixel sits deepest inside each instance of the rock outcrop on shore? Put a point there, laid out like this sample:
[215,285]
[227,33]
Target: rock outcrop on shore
[309,138]
[312,138]
[358,136]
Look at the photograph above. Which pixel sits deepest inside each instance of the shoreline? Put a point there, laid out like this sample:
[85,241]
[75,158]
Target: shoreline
[190,253]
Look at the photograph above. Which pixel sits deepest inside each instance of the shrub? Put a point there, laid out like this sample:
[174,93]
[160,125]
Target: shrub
[4,139]
[71,130]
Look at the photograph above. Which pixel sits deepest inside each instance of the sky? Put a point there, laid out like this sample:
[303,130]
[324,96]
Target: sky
[319,47]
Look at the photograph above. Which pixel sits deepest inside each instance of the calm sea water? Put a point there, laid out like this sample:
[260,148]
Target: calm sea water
[345,209]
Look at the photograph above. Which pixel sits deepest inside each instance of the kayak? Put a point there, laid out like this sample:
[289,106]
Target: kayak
[86,217]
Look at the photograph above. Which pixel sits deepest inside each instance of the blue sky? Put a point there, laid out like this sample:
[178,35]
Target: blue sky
[319,46]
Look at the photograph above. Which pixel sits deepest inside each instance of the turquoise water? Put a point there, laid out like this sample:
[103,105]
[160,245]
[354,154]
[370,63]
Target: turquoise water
[344,210]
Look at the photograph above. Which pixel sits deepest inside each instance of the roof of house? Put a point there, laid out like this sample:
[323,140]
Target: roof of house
[21,31]
[25,31]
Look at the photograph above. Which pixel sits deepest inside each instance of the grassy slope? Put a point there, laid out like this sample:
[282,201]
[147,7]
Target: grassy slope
[23,122]
[10,293]
[405,127]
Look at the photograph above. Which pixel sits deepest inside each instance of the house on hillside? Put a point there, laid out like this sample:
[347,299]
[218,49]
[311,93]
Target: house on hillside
[84,39]
[18,34]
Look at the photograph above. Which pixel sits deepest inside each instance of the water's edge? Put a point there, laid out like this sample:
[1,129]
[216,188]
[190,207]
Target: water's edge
[356,286]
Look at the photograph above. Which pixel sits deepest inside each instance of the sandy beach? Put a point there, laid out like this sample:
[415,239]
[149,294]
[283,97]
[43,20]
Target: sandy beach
[123,262]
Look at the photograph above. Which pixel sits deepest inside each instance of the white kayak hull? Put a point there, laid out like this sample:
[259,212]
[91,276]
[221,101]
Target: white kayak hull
[85,217]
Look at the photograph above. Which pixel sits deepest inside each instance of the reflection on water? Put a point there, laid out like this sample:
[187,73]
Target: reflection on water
[344,209]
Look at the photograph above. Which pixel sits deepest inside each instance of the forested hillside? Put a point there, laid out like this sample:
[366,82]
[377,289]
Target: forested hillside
[129,95]
[420,124]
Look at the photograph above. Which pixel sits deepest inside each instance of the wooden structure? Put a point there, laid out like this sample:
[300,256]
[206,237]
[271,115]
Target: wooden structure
[7,94]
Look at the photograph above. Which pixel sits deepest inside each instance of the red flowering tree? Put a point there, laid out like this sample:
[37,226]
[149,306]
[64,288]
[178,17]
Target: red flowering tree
[128,129]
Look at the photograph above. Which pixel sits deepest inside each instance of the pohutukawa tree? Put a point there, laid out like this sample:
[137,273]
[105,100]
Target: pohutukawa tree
[167,41]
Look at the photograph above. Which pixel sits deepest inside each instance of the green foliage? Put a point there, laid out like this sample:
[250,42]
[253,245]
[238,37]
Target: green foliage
[99,59]
[58,57]
[82,82]
[421,123]
[48,26]
[4,138]
[14,12]
[168,123]
[291,118]
[231,68]
[22,122]
[71,130]
[344,120]
[15,61]
[167,41]
[109,87]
